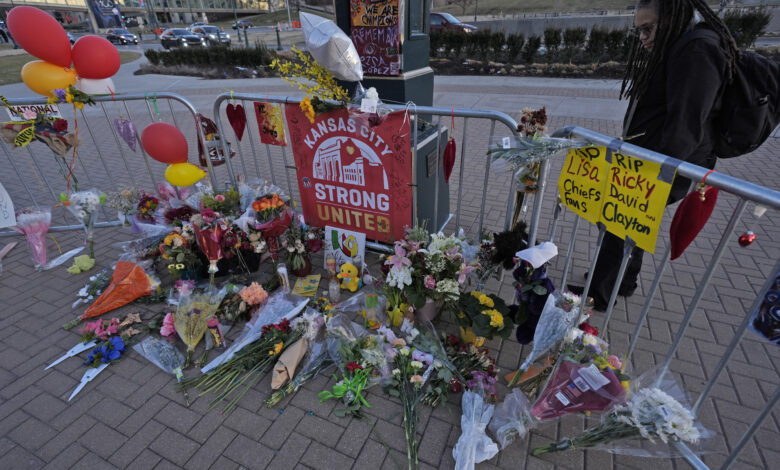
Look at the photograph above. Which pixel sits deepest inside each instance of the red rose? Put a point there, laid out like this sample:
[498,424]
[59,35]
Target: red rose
[589,329]
[456,386]
[453,340]
[60,125]
[353,366]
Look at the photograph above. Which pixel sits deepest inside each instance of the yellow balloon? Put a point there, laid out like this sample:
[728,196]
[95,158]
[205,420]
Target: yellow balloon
[183,174]
[43,77]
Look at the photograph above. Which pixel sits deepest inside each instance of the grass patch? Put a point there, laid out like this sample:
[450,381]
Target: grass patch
[11,66]
[507,7]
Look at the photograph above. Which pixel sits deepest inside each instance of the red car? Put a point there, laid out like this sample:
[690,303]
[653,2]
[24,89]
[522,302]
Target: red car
[442,21]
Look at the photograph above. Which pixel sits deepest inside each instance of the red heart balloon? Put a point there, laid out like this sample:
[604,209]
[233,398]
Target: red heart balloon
[237,118]
[449,159]
[689,219]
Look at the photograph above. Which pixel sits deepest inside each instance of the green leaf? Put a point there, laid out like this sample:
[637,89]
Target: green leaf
[526,288]
[540,290]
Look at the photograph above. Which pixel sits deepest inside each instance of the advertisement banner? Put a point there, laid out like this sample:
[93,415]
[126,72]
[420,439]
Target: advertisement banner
[352,174]
[626,194]
[270,123]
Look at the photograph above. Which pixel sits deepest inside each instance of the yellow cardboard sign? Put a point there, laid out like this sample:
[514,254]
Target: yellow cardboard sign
[582,181]
[380,13]
[626,195]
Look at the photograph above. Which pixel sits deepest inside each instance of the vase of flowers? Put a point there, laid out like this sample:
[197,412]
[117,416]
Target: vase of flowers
[299,243]
[84,205]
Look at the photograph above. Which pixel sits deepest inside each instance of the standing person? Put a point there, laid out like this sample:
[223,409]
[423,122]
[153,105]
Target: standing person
[673,84]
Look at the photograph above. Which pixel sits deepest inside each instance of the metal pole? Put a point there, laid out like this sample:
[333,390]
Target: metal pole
[476,4]
[289,18]
[752,429]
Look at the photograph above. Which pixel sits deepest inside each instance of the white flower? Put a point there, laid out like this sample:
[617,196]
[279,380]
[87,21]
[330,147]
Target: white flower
[417,364]
[437,364]
[83,292]
[396,371]
[400,278]
[448,287]
[404,351]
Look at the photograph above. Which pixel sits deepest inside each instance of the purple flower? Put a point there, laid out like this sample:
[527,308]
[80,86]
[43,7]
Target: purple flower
[423,357]
[60,93]
[463,272]
[399,259]
[387,333]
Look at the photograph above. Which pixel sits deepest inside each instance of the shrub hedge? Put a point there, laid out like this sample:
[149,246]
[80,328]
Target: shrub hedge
[216,55]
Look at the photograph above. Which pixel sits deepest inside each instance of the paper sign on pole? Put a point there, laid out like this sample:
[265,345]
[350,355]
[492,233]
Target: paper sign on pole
[626,194]
[343,245]
[17,112]
[7,216]
[270,123]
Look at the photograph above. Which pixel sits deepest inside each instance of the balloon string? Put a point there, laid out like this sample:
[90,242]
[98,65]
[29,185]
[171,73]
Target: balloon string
[73,156]
[119,111]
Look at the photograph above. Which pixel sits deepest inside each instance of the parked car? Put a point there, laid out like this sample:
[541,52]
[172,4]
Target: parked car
[441,21]
[180,37]
[121,36]
[241,24]
[212,34]
[195,25]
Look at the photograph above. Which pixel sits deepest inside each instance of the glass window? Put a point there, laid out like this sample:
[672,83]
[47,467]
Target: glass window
[435,20]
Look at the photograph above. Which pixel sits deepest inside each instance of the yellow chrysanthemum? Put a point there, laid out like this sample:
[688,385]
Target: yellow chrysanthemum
[277,348]
[171,237]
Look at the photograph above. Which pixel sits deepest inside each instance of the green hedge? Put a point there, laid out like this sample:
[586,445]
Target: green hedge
[216,55]
[746,25]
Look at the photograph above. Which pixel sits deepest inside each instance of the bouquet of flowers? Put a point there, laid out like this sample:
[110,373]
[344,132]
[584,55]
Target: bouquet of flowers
[475,370]
[481,317]
[532,287]
[34,224]
[177,249]
[226,202]
[272,219]
[246,367]
[209,230]
[124,202]
[191,314]
[112,336]
[94,287]
[428,267]
[84,205]
[649,414]
[146,207]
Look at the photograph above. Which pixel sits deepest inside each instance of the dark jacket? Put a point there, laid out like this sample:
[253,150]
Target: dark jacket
[676,114]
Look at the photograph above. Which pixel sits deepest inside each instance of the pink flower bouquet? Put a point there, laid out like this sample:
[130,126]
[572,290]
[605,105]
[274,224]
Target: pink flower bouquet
[34,224]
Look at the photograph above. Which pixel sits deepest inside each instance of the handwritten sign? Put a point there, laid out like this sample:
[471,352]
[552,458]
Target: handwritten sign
[7,217]
[374,12]
[270,123]
[626,194]
[342,246]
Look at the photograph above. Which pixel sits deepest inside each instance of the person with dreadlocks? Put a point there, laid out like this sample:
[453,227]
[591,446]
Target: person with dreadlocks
[673,84]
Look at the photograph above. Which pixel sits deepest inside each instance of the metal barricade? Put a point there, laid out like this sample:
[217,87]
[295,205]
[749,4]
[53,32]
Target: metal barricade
[744,192]
[102,160]
[481,125]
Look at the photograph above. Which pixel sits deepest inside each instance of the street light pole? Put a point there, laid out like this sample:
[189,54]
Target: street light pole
[476,2]
[289,18]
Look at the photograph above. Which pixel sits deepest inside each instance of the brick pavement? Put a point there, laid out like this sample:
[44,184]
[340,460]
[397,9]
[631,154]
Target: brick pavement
[132,417]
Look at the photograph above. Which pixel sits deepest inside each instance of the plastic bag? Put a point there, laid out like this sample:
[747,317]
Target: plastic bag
[162,354]
[512,419]
[280,306]
[553,324]
[578,387]
[368,304]
[474,445]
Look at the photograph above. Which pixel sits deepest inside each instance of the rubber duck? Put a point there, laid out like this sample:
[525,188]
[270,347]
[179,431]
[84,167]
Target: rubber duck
[349,277]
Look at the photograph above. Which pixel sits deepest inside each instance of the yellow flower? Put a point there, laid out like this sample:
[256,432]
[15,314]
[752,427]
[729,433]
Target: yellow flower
[277,348]
[169,239]
[79,105]
[496,319]
[52,100]
[485,300]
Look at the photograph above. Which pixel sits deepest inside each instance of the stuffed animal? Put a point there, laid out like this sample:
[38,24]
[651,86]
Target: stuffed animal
[349,277]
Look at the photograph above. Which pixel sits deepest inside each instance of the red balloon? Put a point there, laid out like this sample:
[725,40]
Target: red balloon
[40,34]
[165,143]
[94,57]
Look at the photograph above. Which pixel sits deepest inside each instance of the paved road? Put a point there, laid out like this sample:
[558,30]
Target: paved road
[132,417]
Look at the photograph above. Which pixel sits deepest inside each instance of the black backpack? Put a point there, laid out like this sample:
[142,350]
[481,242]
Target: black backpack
[750,104]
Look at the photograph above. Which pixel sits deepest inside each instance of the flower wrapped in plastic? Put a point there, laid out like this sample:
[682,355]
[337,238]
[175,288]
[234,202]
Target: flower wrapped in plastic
[273,218]
[209,231]
[650,415]
[84,206]
[512,419]
[34,225]
[192,312]
[474,445]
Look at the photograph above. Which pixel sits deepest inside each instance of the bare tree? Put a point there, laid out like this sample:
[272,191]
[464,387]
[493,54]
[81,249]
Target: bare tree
[463,4]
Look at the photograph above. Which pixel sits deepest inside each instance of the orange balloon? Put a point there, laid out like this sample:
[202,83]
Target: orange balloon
[43,77]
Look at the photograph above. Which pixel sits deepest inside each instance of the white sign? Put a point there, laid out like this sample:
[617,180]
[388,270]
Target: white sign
[7,217]
[342,246]
[31,110]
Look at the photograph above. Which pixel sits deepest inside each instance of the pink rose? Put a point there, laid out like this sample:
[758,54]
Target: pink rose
[219,198]
[168,328]
[429,282]
[614,362]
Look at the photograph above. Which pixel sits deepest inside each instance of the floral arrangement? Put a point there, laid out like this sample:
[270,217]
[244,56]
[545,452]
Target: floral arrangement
[84,205]
[34,224]
[245,368]
[650,413]
[147,205]
[315,80]
[268,207]
[124,201]
[532,286]
[300,241]
[253,295]
[71,95]
[226,202]
[426,267]
[112,336]
[484,315]
[273,218]
[192,313]
[179,215]
[94,287]
[178,249]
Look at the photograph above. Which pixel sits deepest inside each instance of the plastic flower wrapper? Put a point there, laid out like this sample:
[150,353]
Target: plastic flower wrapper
[331,48]
[553,324]
[95,286]
[474,445]
[34,224]
[84,206]
[279,306]
[521,155]
[210,242]
[368,304]
[512,419]
[191,315]
[654,416]
[162,354]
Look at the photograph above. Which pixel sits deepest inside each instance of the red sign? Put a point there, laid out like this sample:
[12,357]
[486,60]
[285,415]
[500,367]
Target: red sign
[351,174]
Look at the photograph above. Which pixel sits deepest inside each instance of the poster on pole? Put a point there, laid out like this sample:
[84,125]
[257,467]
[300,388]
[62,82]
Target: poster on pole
[353,174]
[626,194]
[375,32]
[270,123]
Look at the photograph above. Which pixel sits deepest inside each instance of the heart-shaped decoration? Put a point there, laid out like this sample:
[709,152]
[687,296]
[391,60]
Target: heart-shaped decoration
[449,159]
[237,118]
[126,130]
[690,217]
[747,238]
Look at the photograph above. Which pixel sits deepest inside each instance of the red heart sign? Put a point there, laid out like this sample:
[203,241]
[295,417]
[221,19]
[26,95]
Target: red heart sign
[237,118]
[449,159]
[690,218]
